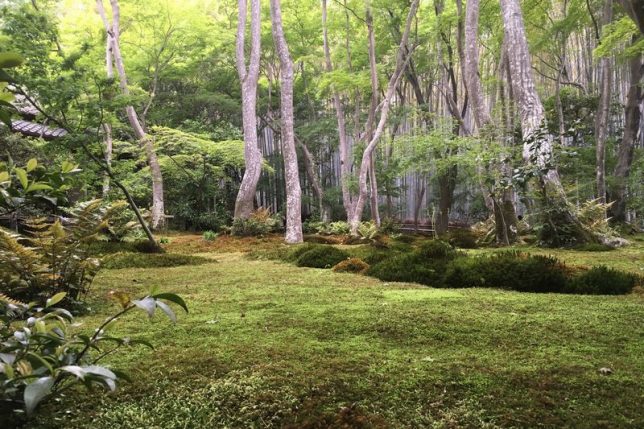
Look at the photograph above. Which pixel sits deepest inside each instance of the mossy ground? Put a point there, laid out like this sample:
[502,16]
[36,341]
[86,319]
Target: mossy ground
[268,344]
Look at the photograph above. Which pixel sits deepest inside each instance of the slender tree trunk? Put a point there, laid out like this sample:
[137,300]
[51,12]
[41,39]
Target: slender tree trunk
[373,73]
[603,112]
[293,190]
[419,201]
[633,116]
[113,30]
[446,186]
[248,77]
[107,127]
[401,63]
[559,107]
[345,163]
[560,225]
[504,213]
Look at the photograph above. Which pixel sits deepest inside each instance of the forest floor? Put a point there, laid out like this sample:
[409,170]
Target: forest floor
[267,344]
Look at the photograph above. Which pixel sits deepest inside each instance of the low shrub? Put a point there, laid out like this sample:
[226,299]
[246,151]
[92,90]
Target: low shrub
[146,246]
[463,238]
[395,246]
[594,247]
[150,260]
[314,226]
[389,226]
[321,257]
[371,255]
[602,280]
[299,249]
[508,270]
[261,222]
[368,230]
[523,272]
[210,235]
[464,273]
[404,238]
[436,249]
[425,265]
[406,268]
[351,265]
[43,356]
[339,228]
[249,228]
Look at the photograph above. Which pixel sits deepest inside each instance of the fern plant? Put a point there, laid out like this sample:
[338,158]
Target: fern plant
[368,231]
[54,257]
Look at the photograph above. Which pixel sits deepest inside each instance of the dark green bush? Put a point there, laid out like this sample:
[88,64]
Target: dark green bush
[508,270]
[594,247]
[425,265]
[351,265]
[464,272]
[373,256]
[602,280]
[407,268]
[249,228]
[151,260]
[436,249]
[524,272]
[462,238]
[321,257]
[146,246]
[405,238]
[396,246]
[298,250]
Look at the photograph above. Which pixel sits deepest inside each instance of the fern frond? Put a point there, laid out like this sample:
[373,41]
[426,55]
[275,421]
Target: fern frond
[8,300]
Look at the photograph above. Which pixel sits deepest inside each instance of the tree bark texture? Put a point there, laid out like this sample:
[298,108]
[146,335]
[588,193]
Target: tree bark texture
[373,72]
[633,116]
[504,212]
[248,76]
[603,112]
[292,179]
[560,226]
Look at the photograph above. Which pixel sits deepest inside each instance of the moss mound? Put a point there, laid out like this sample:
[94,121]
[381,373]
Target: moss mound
[321,256]
[151,260]
[351,265]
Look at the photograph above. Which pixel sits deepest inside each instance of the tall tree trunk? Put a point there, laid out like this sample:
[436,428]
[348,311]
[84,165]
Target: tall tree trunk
[447,178]
[373,72]
[401,62]
[293,190]
[633,117]
[248,77]
[446,186]
[158,205]
[107,127]
[560,225]
[603,112]
[345,163]
[504,213]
